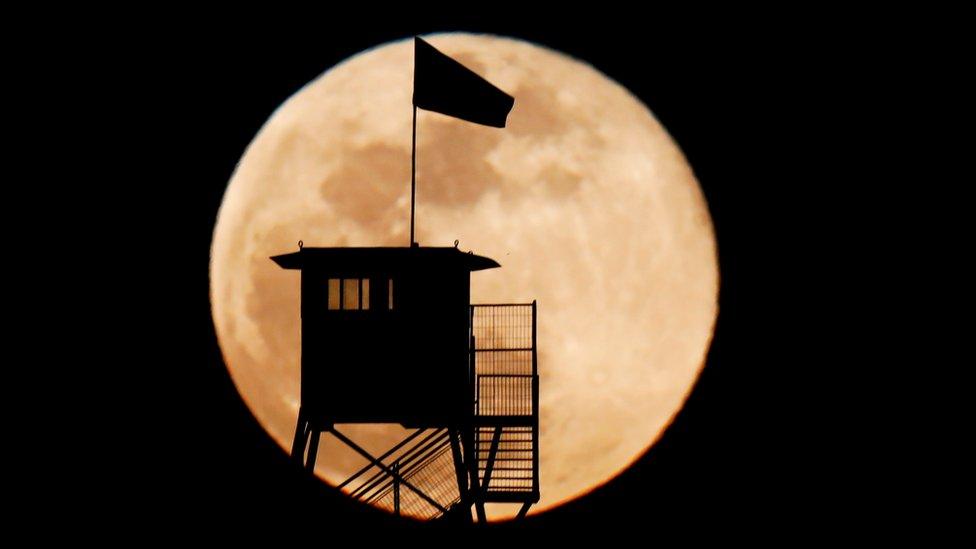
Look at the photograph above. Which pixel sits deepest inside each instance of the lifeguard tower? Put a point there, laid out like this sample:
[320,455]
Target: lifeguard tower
[389,335]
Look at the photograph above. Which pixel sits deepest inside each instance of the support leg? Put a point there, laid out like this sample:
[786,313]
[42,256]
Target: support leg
[396,488]
[472,462]
[460,469]
[313,449]
[300,443]
[523,510]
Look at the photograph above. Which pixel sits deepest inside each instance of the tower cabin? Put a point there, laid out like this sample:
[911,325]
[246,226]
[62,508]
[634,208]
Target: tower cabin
[385,333]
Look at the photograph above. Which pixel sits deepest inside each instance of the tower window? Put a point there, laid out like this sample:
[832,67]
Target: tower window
[389,293]
[335,289]
[348,294]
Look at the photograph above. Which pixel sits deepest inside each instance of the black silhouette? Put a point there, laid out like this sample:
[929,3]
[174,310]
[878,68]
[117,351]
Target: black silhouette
[389,336]
[443,85]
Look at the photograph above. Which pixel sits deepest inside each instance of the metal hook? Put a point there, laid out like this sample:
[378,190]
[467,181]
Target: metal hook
[456,242]
[300,244]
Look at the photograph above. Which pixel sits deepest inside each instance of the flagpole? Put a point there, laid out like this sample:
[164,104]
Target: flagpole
[413,174]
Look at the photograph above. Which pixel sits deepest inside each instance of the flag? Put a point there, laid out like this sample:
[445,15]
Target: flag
[443,85]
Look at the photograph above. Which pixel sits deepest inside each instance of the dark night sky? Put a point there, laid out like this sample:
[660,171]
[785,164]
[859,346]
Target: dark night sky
[738,457]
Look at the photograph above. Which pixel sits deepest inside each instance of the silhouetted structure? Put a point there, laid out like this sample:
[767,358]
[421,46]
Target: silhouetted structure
[389,336]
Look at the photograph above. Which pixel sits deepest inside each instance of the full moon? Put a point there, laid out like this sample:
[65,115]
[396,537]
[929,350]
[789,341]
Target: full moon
[584,199]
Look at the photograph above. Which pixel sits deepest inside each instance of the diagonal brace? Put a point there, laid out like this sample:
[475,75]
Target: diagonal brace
[492,452]
[387,470]
[387,454]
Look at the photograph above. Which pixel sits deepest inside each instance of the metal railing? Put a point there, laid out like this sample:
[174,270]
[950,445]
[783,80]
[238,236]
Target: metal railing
[503,359]
[504,394]
[505,383]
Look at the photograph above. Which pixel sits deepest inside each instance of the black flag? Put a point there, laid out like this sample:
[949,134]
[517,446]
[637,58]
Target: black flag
[443,85]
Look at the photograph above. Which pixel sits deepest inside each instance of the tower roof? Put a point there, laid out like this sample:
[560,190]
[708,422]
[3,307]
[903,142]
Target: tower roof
[384,258]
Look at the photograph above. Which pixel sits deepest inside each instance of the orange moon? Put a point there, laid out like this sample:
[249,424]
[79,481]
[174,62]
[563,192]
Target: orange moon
[584,199]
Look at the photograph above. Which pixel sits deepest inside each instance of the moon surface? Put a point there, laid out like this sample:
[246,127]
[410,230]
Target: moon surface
[584,199]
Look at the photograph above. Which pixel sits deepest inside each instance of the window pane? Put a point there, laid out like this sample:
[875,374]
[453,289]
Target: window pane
[365,294]
[389,293]
[350,293]
[333,294]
